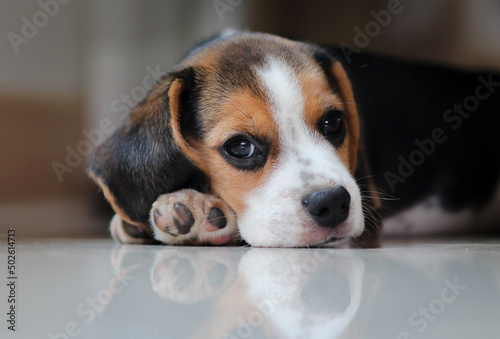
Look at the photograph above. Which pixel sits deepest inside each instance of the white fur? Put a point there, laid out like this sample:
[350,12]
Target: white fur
[430,218]
[275,215]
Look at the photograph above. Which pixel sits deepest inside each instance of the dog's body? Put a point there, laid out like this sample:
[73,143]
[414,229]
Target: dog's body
[251,137]
[432,144]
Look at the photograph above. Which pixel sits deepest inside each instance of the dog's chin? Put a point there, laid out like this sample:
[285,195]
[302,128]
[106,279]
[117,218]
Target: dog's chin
[332,242]
[324,237]
[318,237]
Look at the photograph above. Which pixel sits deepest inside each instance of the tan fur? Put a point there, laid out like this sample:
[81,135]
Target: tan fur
[154,105]
[173,96]
[318,99]
[242,113]
[354,128]
[352,118]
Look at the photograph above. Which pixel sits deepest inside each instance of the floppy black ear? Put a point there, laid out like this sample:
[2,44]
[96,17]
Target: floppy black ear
[143,159]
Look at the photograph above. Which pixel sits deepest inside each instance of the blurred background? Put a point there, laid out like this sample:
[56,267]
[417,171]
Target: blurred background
[71,70]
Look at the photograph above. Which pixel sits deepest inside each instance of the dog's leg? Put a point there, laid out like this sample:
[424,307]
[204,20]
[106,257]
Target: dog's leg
[126,233]
[188,217]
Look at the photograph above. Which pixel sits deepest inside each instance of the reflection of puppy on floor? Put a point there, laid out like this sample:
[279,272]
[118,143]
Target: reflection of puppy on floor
[253,293]
[290,294]
[286,294]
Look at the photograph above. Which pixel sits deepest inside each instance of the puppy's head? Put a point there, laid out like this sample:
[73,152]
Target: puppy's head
[273,127]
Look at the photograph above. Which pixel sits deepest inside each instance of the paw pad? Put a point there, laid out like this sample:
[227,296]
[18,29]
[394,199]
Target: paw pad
[217,218]
[183,218]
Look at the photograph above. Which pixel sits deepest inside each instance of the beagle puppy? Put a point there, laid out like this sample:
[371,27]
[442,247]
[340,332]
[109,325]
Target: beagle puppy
[251,137]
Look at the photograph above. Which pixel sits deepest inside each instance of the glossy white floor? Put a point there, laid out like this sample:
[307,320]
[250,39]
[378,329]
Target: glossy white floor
[97,289]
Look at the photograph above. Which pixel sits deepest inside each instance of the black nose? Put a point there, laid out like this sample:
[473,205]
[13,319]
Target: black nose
[329,207]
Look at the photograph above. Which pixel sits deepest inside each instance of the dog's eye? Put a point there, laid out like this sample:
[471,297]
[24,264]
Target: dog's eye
[245,152]
[332,122]
[332,126]
[240,148]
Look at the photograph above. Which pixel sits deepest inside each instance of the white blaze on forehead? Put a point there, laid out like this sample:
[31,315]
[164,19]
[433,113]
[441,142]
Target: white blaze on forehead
[284,93]
[301,148]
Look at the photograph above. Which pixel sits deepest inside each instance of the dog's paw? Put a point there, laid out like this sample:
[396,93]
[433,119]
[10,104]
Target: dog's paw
[188,217]
[127,233]
[190,276]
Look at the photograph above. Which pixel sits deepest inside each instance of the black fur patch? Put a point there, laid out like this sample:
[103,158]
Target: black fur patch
[325,60]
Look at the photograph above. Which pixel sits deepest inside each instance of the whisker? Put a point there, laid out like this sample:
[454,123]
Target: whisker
[365,177]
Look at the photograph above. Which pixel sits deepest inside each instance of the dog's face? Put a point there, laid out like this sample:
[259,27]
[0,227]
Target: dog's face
[270,124]
[275,130]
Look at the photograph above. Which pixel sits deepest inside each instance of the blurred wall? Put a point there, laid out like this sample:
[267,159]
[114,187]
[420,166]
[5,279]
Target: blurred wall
[462,33]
